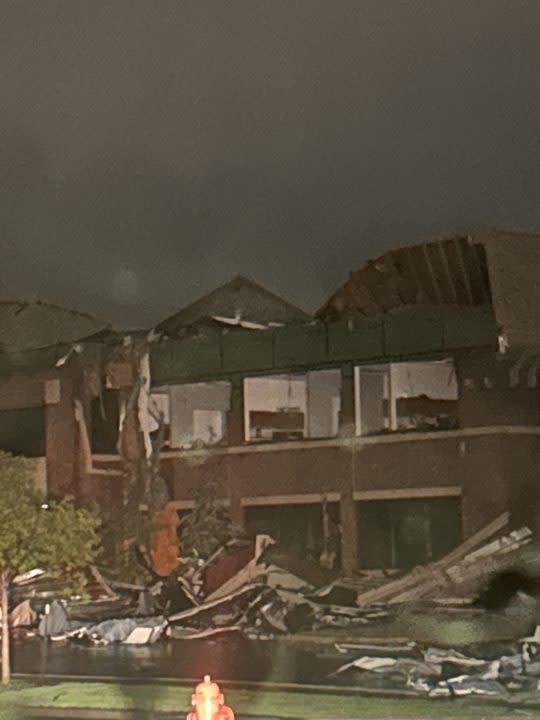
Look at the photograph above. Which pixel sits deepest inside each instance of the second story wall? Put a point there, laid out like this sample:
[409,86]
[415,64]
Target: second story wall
[497,389]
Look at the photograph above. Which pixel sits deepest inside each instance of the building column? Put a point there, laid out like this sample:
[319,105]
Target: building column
[87,488]
[235,416]
[235,499]
[237,511]
[347,412]
[347,515]
[60,438]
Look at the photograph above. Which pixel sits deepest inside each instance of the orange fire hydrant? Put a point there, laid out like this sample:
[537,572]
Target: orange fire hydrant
[209,702]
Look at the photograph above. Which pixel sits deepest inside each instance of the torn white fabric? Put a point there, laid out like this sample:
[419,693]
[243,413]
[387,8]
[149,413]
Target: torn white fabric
[146,422]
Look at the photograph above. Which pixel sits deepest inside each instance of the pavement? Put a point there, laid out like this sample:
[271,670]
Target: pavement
[229,659]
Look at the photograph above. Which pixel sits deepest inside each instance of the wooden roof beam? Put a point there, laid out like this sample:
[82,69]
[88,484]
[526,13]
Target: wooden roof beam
[458,242]
[365,298]
[421,291]
[480,268]
[433,276]
[448,271]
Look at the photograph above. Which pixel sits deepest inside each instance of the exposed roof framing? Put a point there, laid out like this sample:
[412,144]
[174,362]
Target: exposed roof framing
[446,272]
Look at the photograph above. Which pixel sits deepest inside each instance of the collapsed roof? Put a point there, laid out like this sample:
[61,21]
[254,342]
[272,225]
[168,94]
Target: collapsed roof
[497,268]
[32,325]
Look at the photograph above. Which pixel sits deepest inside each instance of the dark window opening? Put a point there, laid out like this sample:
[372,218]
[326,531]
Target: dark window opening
[22,431]
[300,529]
[404,533]
[105,419]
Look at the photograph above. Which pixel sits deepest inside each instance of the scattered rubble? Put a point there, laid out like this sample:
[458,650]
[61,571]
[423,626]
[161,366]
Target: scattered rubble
[437,672]
[22,615]
[128,631]
[468,621]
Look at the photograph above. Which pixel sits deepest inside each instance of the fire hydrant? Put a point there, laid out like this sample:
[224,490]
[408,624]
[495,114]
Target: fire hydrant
[209,702]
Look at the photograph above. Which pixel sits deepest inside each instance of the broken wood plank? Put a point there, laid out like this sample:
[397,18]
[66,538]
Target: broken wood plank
[98,577]
[473,567]
[126,586]
[388,590]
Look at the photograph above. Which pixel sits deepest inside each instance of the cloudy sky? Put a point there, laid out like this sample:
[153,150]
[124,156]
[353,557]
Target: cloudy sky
[151,150]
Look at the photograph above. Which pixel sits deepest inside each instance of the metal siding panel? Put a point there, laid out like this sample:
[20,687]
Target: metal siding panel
[160,362]
[410,332]
[196,356]
[299,345]
[187,358]
[355,339]
[247,350]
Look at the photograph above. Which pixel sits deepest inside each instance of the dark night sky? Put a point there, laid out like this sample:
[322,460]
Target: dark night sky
[151,150]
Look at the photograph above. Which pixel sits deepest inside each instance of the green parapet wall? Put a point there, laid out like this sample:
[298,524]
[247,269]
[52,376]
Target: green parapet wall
[35,361]
[408,333]
[300,345]
[361,339]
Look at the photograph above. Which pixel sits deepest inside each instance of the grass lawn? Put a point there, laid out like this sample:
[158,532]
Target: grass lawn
[311,706]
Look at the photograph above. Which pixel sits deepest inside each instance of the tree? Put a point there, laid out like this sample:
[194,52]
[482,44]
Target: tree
[208,525]
[58,536]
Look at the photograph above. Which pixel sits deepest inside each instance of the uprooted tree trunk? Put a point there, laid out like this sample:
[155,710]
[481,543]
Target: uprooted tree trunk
[6,663]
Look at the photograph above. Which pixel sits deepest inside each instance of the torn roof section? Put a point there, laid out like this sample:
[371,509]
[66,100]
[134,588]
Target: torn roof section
[36,325]
[496,268]
[241,302]
[445,272]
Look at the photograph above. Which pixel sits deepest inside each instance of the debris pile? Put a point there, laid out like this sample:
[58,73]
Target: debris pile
[482,592]
[467,621]
[504,672]
[459,577]
[263,611]
[131,631]
[264,599]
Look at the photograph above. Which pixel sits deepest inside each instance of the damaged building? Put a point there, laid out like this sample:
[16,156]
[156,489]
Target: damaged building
[379,433]
[65,380]
[49,360]
[402,418]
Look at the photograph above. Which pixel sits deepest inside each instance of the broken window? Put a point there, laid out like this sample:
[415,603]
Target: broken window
[275,407]
[292,407]
[404,533]
[323,403]
[198,413]
[371,393]
[160,411]
[406,396]
[303,530]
